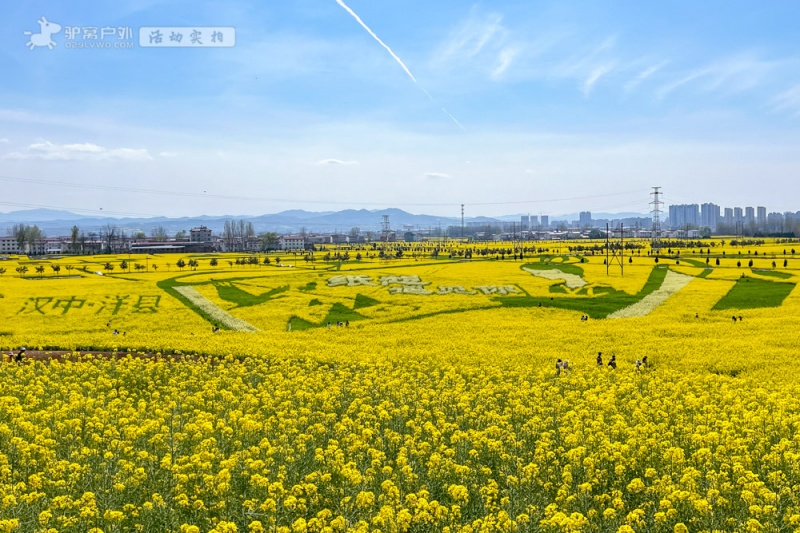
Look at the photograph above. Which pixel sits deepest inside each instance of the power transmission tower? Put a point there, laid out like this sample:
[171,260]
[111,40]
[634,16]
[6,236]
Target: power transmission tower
[617,256]
[655,239]
[385,228]
[462,221]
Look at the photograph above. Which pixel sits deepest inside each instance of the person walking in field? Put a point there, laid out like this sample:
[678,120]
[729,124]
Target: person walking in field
[638,365]
[612,363]
[599,358]
[558,367]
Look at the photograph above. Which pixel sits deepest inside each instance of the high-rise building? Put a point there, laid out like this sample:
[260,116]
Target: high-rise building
[775,222]
[683,215]
[738,216]
[525,222]
[534,221]
[709,216]
[749,215]
[585,218]
[761,216]
[545,221]
[727,218]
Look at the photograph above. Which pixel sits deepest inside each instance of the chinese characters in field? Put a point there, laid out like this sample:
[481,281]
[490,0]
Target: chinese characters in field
[414,285]
[112,305]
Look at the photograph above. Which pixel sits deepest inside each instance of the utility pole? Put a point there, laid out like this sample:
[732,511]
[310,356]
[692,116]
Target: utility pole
[462,221]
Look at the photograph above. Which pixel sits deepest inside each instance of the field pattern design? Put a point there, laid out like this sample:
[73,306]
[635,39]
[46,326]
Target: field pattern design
[432,402]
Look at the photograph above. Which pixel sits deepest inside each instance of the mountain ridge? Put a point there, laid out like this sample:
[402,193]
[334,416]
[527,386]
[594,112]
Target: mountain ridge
[59,222]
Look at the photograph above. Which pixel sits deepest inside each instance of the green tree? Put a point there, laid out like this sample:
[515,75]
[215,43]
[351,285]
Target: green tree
[56,269]
[26,236]
[22,270]
[74,236]
[180,264]
[40,270]
[213,262]
[269,241]
[159,233]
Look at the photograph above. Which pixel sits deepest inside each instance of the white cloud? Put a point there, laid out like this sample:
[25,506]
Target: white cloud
[47,150]
[4,140]
[788,101]
[167,154]
[436,176]
[323,162]
[504,59]
[728,75]
[643,75]
[581,64]
[479,41]
[594,77]
[471,37]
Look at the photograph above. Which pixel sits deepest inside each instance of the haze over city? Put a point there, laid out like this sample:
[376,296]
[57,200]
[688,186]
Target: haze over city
[506,107]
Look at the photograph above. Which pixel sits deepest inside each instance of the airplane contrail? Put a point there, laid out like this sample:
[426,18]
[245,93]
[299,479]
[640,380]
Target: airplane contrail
[396,58]
[453,118]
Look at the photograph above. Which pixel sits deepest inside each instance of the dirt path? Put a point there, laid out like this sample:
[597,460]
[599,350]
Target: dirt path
[66,355]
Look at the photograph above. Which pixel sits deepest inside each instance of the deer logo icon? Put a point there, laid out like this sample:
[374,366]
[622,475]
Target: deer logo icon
[43,37]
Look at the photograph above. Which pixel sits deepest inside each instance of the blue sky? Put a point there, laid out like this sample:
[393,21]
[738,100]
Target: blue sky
[507,107]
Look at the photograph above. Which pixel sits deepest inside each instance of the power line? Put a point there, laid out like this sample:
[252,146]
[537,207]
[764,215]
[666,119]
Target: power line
[190,194]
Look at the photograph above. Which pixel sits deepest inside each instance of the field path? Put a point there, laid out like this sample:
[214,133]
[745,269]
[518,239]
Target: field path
[572,281]
[673,282]
[211,309]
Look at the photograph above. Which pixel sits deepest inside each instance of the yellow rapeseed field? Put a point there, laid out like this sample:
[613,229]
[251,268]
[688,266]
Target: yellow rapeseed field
[436,405]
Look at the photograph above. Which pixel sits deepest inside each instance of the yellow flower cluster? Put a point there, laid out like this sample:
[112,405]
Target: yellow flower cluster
[430,412]
[419,445]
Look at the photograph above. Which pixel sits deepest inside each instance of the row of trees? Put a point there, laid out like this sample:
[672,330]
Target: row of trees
[26,236]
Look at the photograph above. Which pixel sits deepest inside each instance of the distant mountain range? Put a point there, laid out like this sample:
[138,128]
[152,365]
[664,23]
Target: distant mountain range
[55,223]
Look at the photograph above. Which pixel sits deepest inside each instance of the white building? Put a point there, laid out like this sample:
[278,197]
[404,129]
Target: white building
[200,234]
[292,242]
[8,245]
